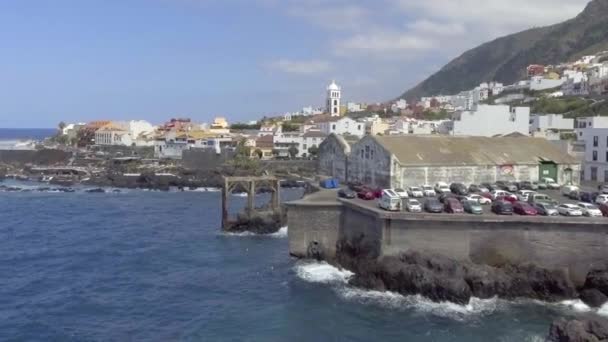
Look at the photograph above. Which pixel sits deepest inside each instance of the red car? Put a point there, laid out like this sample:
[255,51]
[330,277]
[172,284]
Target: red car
[366,194]
[511,198]
[523,208]
[604,209]
[377,192]
[486,195]
[453,206]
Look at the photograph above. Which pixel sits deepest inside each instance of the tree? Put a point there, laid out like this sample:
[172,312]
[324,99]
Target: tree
[313,151]
[242,150]
[290,127]
[61,126]
[293,151]
[259,153]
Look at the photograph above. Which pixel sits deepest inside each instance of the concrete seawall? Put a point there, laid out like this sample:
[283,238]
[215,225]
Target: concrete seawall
[575,245]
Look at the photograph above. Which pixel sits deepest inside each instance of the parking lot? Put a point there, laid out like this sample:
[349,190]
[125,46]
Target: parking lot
[487,209]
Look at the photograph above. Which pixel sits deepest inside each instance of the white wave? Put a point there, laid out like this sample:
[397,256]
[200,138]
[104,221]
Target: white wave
[322,272]
[240,194]
[575,305]
[282,233]
[603,311]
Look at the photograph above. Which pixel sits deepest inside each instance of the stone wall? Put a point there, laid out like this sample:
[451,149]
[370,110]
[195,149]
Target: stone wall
[313,223]
[38,157]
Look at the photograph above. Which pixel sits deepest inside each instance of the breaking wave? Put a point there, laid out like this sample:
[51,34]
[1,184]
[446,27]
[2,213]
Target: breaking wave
[324,273]
[280,234]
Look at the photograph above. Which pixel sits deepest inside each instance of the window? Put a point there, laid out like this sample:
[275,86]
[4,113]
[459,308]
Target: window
[595,141]
[335,102]
[359,127]
[594,155]
[361,153]
[333,127]
[605,175]
[606,156]
[594,174]
[366,152]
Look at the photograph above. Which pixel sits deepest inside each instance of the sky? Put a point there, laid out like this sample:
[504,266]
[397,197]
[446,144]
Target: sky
[82,60]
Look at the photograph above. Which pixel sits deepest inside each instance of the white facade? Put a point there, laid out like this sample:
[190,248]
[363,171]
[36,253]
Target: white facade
[595,164]
[540,83]
[542,123]
[353,107]
[489,121]
[343,126]
[334,95]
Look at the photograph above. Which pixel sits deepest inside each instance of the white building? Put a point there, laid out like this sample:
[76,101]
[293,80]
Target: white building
[540,83]
[593,132]
[334,94]
[353,107]
[342,126]
[555,122]
[489,121]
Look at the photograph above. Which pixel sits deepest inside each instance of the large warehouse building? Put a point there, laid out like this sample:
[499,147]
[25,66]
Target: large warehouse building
[401,161]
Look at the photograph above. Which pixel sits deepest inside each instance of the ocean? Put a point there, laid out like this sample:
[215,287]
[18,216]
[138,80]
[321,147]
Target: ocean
[154,266]
[15,138]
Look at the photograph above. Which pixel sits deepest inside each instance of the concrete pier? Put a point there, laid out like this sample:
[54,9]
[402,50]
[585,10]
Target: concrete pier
[575,245]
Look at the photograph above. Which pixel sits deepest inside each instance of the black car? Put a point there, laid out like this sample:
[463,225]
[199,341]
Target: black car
[474,188]
[347,193]
[574,195]
[489,186]
[588,197]
[506,186]
[459,189]
[443,197]
[433,205]
[502,208]
[603,188]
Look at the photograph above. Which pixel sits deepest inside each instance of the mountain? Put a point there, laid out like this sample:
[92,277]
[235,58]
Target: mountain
[505,59]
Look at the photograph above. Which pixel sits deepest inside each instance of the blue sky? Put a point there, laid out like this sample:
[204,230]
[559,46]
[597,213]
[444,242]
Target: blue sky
[80,60]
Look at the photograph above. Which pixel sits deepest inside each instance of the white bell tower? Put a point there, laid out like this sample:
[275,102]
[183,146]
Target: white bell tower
[334,94]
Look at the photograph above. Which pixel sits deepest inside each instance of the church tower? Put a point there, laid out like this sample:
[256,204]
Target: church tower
[334,93]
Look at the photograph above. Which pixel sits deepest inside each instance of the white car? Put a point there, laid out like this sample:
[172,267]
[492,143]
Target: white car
[413,206]
[415,192]
[442,188]
[569,210]
[568,189]
[428,191]
[499,193]
[601,199]
[550,183]
[479,199]
[402,193]
[590,210]
[525,194]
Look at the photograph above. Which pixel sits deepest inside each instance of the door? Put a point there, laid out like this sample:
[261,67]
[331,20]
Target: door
[548,170]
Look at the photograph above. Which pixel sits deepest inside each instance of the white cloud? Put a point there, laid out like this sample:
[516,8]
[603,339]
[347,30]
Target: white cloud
[347,17]
[382,42]
[300,67]
[425,26]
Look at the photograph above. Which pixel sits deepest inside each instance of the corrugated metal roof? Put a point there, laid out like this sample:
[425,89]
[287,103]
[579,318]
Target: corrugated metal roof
[440,150]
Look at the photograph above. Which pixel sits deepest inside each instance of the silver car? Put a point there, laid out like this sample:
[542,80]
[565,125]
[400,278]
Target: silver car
[545,209]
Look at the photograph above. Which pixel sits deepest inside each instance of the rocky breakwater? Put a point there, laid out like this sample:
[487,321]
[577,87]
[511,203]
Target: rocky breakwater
[442,279]
[591,329]
[265,222]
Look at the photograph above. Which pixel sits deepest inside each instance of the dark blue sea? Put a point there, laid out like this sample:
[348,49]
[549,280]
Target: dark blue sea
[153,266]
[26,133]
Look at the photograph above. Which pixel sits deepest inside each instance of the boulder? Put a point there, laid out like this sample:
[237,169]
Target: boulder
[597,279]
[589,330]
[593,297]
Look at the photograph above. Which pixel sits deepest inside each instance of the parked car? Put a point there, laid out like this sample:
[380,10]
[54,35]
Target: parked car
[377,192]
[479,199]
[366,194]
[347,193]
[489,186]
[472,207]
[525,194]
[499,193]
[549,183]
[413,206]
[527,185]
[567,209]
[588,197]
[545,209]
[415,191]
[590,210]
[601,199]
[574,195]
[603,188]
[390,201]
[506,186]
[453,206]
[604,209]
[523,208]
[433,205]
[502,208]
[445,196]
[428,191]
[442,188]
[459,189]
[402,193]
[474,188]
[537,197]
[569,189]
[508,198]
